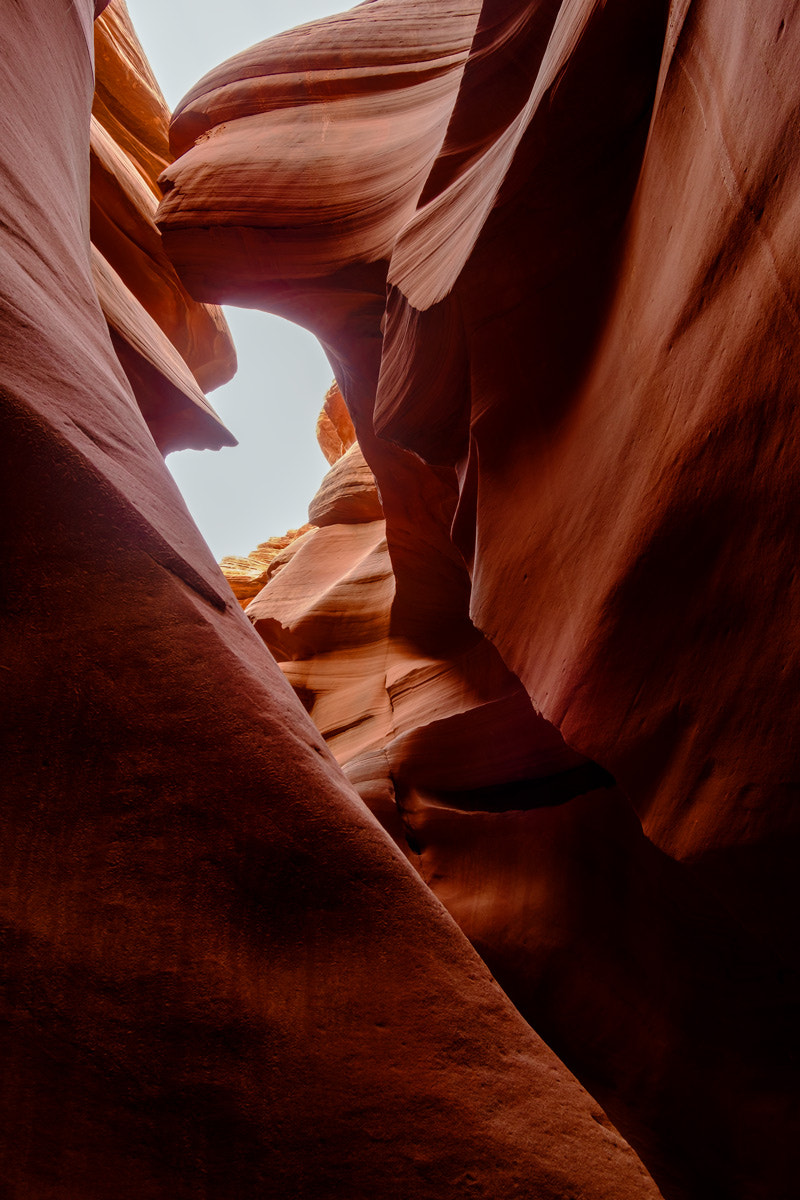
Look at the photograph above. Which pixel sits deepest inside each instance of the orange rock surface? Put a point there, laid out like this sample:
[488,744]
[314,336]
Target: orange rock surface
[219,976]
[247,576]
[335,432]
[557,282]
[171,347]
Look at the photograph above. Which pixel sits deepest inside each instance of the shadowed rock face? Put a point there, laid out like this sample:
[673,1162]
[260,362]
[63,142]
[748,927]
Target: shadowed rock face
[634,972]
[549,248]
[219,977]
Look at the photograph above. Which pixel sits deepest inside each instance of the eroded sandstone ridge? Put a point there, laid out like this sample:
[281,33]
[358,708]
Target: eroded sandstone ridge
[544,619]
[170,347]
[550,250]
[219,976]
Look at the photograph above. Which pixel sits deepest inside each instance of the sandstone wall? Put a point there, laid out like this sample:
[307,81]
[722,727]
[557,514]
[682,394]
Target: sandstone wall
[549,249]
[219,976]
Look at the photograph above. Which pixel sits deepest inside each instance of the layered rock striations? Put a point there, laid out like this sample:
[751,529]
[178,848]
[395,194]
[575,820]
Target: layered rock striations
[219,976]
[636,974]
[548,248]
[172,348]
[408,728]
[248,575]
[347,135]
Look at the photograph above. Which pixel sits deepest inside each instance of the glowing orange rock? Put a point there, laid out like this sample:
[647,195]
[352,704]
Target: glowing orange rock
[171,347]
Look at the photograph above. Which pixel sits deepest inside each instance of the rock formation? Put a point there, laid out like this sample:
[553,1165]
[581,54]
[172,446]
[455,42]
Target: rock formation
[603,942]
[557,286]
[543,620]
[170,347]
[219,976]
[335,431]
[247,576]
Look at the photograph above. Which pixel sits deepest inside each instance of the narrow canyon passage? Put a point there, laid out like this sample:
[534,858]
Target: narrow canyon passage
[449,848]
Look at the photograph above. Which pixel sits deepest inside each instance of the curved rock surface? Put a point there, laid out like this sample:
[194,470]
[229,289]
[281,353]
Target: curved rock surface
[247,576]
[608,947]
[577,398]
[171,347]
[307,232]
[219,977]
[335,432]
[349,495]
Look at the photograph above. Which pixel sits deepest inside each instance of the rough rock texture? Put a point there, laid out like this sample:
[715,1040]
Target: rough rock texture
[218,975]
[171,347]
[578,397]
[335,432]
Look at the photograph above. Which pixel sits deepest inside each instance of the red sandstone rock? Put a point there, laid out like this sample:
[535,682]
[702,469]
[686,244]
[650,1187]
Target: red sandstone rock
[344,600]
[578,402]
[348,494]
[137,284]
[335,432]
[219,977]
[247,576]
[160,378]
[304,213]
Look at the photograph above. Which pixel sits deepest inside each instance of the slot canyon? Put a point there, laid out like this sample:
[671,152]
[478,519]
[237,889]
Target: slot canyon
[446,846]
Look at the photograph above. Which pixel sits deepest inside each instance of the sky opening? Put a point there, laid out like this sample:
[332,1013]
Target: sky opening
[240,496]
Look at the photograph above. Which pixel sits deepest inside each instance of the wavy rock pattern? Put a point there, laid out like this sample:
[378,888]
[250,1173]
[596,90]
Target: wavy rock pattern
[564,325]
[608,946]
[335,432]
[247,576]
[219,977]
[171,347]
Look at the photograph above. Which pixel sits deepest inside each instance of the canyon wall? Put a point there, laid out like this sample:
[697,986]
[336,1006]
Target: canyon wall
[488,888]
[566,339]
[219,976]
[170,347]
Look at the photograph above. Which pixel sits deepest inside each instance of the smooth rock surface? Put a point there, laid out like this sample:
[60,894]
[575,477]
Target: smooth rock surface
[171,347]
[577,395]
[247,576]
[219,977]
[348,495]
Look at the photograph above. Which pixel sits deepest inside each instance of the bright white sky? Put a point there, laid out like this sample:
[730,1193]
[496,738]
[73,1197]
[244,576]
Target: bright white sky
[241,496]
